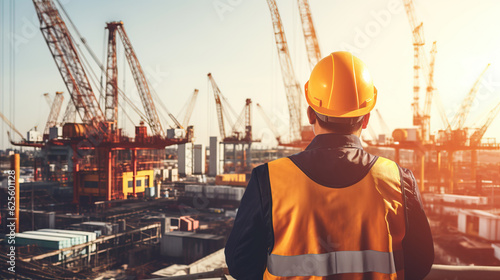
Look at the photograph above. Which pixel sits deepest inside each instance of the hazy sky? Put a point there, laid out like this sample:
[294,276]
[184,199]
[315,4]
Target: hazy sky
[179,41]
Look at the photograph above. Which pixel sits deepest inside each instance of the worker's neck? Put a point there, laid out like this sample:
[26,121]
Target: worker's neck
[320,130]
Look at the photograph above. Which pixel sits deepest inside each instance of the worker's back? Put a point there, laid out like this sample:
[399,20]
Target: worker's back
[329,222]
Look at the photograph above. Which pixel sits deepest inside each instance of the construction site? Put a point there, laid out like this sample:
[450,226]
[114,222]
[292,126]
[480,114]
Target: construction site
[118,186]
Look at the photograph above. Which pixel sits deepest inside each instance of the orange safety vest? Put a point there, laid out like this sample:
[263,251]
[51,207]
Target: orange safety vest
[353,232]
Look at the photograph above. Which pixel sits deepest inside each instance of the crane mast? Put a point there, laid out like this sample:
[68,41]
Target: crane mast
[64,52]
[111,99]
[292,88]
[312,45]
[153,118]
[55,109]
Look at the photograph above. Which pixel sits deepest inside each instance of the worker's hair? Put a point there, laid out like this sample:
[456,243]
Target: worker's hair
[341,128]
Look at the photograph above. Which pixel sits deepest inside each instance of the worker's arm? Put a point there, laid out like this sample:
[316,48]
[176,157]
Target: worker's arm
[418,248]
[246,248]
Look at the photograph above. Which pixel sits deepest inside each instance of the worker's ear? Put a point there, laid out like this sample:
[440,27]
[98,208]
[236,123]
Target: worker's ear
[311,115]
[366,118]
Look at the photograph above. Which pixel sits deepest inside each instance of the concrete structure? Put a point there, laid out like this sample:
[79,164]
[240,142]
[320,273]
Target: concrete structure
[213,168]
[189,246]
[479,223]
[199,159]
[185,159]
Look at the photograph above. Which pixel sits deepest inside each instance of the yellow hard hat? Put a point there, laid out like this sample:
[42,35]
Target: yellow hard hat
[340,86]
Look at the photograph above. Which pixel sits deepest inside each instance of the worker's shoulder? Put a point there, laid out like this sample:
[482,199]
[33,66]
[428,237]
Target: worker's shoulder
[264,168]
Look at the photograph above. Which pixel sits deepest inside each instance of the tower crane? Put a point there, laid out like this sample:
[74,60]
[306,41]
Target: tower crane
[153,118]
[187,110]
[312,45]
[292,88]
[244,119]
[224,111]
[55,109]
[420,63]
[460,117]
[476,137]
[64,52]
[269,123]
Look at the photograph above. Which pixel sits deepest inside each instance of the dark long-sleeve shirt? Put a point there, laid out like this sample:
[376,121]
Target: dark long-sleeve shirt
[336,161]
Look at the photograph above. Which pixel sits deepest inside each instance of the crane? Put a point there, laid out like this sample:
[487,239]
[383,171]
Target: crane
[292,88]
[222,106]
[11,125]
[47,99]
[420,63]
[476,137]
[55,109]
[64,52]
[153,118]
[244,119]
[312,45]
[111,97]
[460,117]
[268,122]
[187,110]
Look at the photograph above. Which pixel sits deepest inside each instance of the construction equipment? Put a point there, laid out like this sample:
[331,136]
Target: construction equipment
[67,59]
[460,117]
[420,63]
[153,118]
[11,125]
[312,45]
[292,88]
[187,110]
[55,109]
[224,116]
[269,123]
[476,137]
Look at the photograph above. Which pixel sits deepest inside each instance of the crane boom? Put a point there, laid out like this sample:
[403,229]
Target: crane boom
[460,117]
[153,119]
[190,108]
[65,54]
[312,45]
[292,88]
[268,122]
[218,106]
[478,134]
[55,109]
[47,99]
[4,118]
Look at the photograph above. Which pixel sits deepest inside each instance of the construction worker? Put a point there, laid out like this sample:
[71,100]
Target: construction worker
[333,211]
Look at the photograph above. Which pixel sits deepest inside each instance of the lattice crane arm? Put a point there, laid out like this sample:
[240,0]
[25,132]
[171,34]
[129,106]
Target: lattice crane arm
[55,109]
[218,106]
[11,125]
[268,122]
[310,38]
[478,134]
[462,113]
[190,107]
[292,88]
[47,99]
[64,52]
[153,119]
[430,88]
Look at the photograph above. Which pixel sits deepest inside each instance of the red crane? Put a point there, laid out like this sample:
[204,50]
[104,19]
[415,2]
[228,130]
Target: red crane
[70,67]
[55,109]
[312,45]
[292,88]
[141,82]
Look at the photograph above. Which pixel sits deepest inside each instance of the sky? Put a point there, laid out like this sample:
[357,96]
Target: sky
[179,41]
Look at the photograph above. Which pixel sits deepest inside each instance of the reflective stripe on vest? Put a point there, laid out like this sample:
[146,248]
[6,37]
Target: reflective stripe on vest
[332,263]
[321,231]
